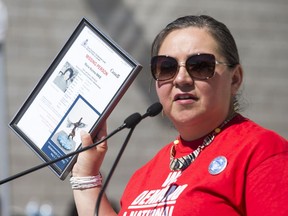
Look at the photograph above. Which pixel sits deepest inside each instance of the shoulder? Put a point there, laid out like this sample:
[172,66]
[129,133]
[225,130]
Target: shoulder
[247,131]
[253,143]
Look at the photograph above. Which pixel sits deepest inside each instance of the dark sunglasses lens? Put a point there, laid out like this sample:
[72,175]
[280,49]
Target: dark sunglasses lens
[201,66]
[163,67]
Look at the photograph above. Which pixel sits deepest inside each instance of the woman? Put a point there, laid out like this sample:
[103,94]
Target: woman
[221,163]
[63,80]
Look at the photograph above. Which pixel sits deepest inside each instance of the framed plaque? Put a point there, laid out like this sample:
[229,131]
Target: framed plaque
[78,92]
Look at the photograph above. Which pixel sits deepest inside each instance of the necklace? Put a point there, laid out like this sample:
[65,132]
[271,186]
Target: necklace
[182,163]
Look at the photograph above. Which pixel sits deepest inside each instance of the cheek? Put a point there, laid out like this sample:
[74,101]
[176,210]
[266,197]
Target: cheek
[219,94]
[163,92]
[216,91]
[160,92]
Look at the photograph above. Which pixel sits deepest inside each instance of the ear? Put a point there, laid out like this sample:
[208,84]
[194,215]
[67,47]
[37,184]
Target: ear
[237,78]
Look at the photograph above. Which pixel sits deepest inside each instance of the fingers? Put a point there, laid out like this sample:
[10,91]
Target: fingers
[89,162]
[85,138]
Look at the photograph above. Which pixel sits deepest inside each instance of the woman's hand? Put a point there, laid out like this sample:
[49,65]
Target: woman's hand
[89,162]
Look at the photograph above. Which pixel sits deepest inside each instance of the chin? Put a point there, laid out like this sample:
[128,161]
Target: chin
[183,119]
[188,116]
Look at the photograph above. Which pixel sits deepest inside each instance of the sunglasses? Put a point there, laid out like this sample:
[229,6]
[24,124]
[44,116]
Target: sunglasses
[200,66]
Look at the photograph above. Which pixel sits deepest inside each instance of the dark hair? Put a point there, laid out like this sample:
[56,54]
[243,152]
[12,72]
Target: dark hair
[226,43]
[71,72]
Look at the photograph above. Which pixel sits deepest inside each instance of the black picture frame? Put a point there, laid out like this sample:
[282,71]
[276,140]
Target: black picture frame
[80,88]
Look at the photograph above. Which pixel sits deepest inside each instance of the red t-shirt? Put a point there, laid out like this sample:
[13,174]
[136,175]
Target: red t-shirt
[254,181]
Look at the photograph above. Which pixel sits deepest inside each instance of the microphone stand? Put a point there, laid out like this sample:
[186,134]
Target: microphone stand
[130,122]
[101,193]
[152,111]
[60,158]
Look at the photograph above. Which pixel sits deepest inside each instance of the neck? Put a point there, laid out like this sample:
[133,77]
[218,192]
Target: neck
[195,130]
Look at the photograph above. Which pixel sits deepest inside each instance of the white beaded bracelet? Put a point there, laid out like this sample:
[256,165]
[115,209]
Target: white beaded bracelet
[85,182]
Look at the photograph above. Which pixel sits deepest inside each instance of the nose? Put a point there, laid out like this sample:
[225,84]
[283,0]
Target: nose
[183,77]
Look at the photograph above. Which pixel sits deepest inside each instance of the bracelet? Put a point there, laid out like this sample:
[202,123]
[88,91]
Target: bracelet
[85,182]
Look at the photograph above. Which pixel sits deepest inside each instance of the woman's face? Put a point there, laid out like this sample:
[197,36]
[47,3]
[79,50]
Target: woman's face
[196,104]
[67,75]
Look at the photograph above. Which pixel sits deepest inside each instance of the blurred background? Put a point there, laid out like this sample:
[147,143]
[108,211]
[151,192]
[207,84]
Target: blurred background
[33,31]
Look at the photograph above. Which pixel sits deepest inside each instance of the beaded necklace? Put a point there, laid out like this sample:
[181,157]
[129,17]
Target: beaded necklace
[182,163]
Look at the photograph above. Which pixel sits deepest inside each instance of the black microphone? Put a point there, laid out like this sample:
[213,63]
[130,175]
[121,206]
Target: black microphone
[130,121]
[135,118]
[153,110]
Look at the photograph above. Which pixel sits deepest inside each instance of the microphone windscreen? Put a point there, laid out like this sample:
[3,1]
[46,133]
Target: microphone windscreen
[133,120]
[154,109]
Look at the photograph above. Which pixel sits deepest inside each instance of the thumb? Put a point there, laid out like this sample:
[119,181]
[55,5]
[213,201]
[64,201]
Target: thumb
[89,162]
[85,138]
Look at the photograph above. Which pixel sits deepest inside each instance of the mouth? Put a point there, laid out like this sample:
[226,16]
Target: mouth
[184,97]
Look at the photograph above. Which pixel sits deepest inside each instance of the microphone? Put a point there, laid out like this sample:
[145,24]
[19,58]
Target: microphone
[130,122]
[135,118]
[153,110]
